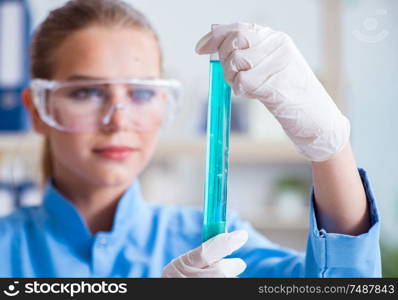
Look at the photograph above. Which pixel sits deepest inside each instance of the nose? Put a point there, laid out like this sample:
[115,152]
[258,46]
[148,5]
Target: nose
[116,119]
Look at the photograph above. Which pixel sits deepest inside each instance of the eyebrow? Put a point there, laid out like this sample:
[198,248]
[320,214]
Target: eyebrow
[82,77]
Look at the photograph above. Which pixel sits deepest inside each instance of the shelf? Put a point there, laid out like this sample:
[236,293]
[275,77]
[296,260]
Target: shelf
[20,143]
[267,222]
[297,226]
[242,150]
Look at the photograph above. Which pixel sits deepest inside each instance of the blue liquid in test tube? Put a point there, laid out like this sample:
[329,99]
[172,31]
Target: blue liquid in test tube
[218,129]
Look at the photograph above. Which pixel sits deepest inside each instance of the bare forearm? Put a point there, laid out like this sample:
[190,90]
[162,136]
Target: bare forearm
[340,199]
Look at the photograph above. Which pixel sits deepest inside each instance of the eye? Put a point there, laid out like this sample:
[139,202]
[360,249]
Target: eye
[142,95]
[86,93]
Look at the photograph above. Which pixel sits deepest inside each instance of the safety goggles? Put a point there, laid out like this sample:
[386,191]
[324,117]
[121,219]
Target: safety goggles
[87,105]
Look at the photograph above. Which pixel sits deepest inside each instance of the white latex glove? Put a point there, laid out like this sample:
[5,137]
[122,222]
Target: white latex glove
[208,259]
[265,64]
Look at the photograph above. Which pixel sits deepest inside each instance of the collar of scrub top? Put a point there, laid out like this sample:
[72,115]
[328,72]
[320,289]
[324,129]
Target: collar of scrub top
[130,215]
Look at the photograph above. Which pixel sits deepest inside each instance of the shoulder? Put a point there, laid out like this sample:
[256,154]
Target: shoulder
[20,219]
[179,217]
[175,229]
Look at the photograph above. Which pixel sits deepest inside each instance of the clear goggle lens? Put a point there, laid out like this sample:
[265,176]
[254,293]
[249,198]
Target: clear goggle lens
[88,106]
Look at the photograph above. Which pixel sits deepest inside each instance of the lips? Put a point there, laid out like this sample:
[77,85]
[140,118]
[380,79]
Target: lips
[114,152]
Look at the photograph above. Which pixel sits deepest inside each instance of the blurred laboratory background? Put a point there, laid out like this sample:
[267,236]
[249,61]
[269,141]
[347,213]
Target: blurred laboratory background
[351,45]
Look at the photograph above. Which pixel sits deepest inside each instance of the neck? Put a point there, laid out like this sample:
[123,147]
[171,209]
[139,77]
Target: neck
[97,204]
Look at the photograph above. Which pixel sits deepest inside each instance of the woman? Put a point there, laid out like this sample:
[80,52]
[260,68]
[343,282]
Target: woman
[98,99]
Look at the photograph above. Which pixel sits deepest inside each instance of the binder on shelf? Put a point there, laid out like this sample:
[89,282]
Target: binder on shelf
[14,43]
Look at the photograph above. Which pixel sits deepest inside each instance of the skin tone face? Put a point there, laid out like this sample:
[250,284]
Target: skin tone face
[79,171]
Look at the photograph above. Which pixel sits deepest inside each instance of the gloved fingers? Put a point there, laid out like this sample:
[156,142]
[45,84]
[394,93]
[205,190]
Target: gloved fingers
[272,69]
[228,267]
[245,59]
[243,39]
[246,82]
[203,261]
[215,249]
[211,41]
[241,35]
[173,269]
[181,268]
[231,57]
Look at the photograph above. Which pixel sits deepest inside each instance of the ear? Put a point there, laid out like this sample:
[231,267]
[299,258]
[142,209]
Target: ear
[38,125]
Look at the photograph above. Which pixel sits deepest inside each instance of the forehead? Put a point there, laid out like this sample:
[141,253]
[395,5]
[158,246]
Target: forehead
[107,53]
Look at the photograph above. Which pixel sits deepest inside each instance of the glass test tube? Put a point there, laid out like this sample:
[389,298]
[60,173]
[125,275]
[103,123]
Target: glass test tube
[218,130]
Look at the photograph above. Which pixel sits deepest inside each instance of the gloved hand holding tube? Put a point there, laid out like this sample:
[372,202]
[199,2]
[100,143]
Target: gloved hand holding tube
[208,259]
[265,64]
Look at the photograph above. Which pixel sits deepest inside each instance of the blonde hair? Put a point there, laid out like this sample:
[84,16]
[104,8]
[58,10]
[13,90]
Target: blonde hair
[76,15]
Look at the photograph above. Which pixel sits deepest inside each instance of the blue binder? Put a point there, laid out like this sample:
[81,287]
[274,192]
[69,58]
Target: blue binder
[17,190]
[15,26]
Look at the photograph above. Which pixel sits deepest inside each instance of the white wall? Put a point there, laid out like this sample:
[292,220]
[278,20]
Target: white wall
[371,91]
[181,23]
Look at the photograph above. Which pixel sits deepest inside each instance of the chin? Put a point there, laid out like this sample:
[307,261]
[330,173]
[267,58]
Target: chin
[115,178]
[114,174]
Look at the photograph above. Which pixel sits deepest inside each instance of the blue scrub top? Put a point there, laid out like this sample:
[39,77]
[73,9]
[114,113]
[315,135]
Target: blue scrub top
[52,240]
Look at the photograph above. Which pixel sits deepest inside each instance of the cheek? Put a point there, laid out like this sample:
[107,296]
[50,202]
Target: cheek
[68,149]
[149,143]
